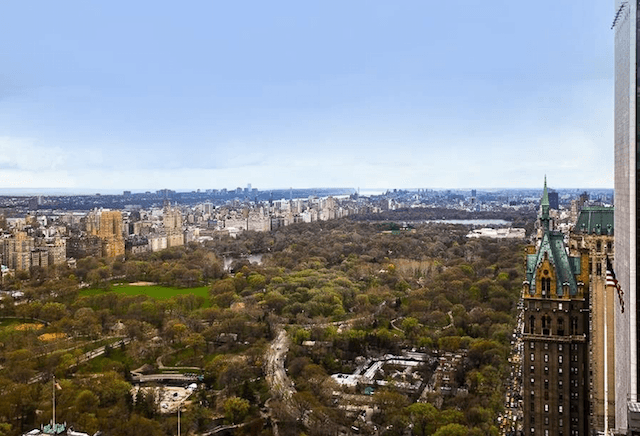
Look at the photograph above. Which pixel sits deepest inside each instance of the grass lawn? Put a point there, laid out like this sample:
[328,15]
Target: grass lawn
[155,291]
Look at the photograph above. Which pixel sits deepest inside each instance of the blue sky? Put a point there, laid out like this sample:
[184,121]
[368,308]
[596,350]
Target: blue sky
[425,94]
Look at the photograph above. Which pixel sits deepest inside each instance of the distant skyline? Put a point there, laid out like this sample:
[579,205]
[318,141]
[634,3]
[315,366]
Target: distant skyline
[151,95]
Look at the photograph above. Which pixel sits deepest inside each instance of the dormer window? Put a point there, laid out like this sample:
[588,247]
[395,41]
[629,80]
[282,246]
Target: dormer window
[545,283]
[565,288]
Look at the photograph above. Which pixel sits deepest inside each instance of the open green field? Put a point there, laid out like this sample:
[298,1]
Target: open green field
[155,291]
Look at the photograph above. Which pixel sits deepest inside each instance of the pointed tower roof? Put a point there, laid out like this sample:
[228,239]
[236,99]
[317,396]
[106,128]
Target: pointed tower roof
[545,194]
[544,207]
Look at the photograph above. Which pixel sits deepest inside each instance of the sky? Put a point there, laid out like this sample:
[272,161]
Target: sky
[373,94]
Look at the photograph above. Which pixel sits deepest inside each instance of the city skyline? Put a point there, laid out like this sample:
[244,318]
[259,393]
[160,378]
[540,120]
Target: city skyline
[369,95]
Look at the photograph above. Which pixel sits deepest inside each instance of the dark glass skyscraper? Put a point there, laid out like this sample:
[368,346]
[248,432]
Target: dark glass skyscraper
[625,26]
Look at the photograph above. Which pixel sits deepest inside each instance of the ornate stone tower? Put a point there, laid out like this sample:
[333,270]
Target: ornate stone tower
[556,320]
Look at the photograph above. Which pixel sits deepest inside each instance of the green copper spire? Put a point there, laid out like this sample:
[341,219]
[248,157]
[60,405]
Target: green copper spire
[544,205]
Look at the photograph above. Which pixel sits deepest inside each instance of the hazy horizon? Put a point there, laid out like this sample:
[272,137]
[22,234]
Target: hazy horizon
[363,191]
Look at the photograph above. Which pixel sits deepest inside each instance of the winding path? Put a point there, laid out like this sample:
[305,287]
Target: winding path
[280,384]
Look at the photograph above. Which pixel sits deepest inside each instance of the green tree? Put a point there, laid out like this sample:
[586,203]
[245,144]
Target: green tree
[424,417]
[235,409]
[452,430]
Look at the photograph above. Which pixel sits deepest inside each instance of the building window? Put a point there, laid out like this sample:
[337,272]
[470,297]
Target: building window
[532,357]
[532,326]
[531,344]
[531,369]
[598,246]
[546,421]
[546,287]
[560,330]
[559,358]
[546,345]
[546,407]
[559,422]
[598,269]
[560,409]
[574,325]
[546,384]
[532,406]
[559,345]
[546,357]
[546,370]
[608,247]
[546,327]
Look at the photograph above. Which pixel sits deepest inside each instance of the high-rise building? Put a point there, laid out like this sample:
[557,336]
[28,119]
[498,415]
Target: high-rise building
[627,38]
[593,234]
[17,251]
[172,222]
[555,339]
[107,225]
[553,200]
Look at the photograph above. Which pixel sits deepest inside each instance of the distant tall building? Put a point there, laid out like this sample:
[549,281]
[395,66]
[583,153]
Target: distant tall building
[555,338]
[627,38]
[17,251]
[107,225]
[554,202]
[172,222]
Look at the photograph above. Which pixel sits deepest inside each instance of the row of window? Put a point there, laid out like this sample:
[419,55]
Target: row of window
[532,356]
[546,325]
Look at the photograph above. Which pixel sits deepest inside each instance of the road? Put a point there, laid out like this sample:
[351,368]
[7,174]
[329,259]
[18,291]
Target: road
[281,386]
[279,382]
[83,358]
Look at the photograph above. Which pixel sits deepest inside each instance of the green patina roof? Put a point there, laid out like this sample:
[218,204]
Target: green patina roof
[552,246]
[595,220]
[566,267]
[545,194]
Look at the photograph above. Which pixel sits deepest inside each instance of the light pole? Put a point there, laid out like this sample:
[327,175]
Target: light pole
[179,408]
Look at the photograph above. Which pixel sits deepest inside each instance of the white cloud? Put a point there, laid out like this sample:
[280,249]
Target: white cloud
[26,154]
